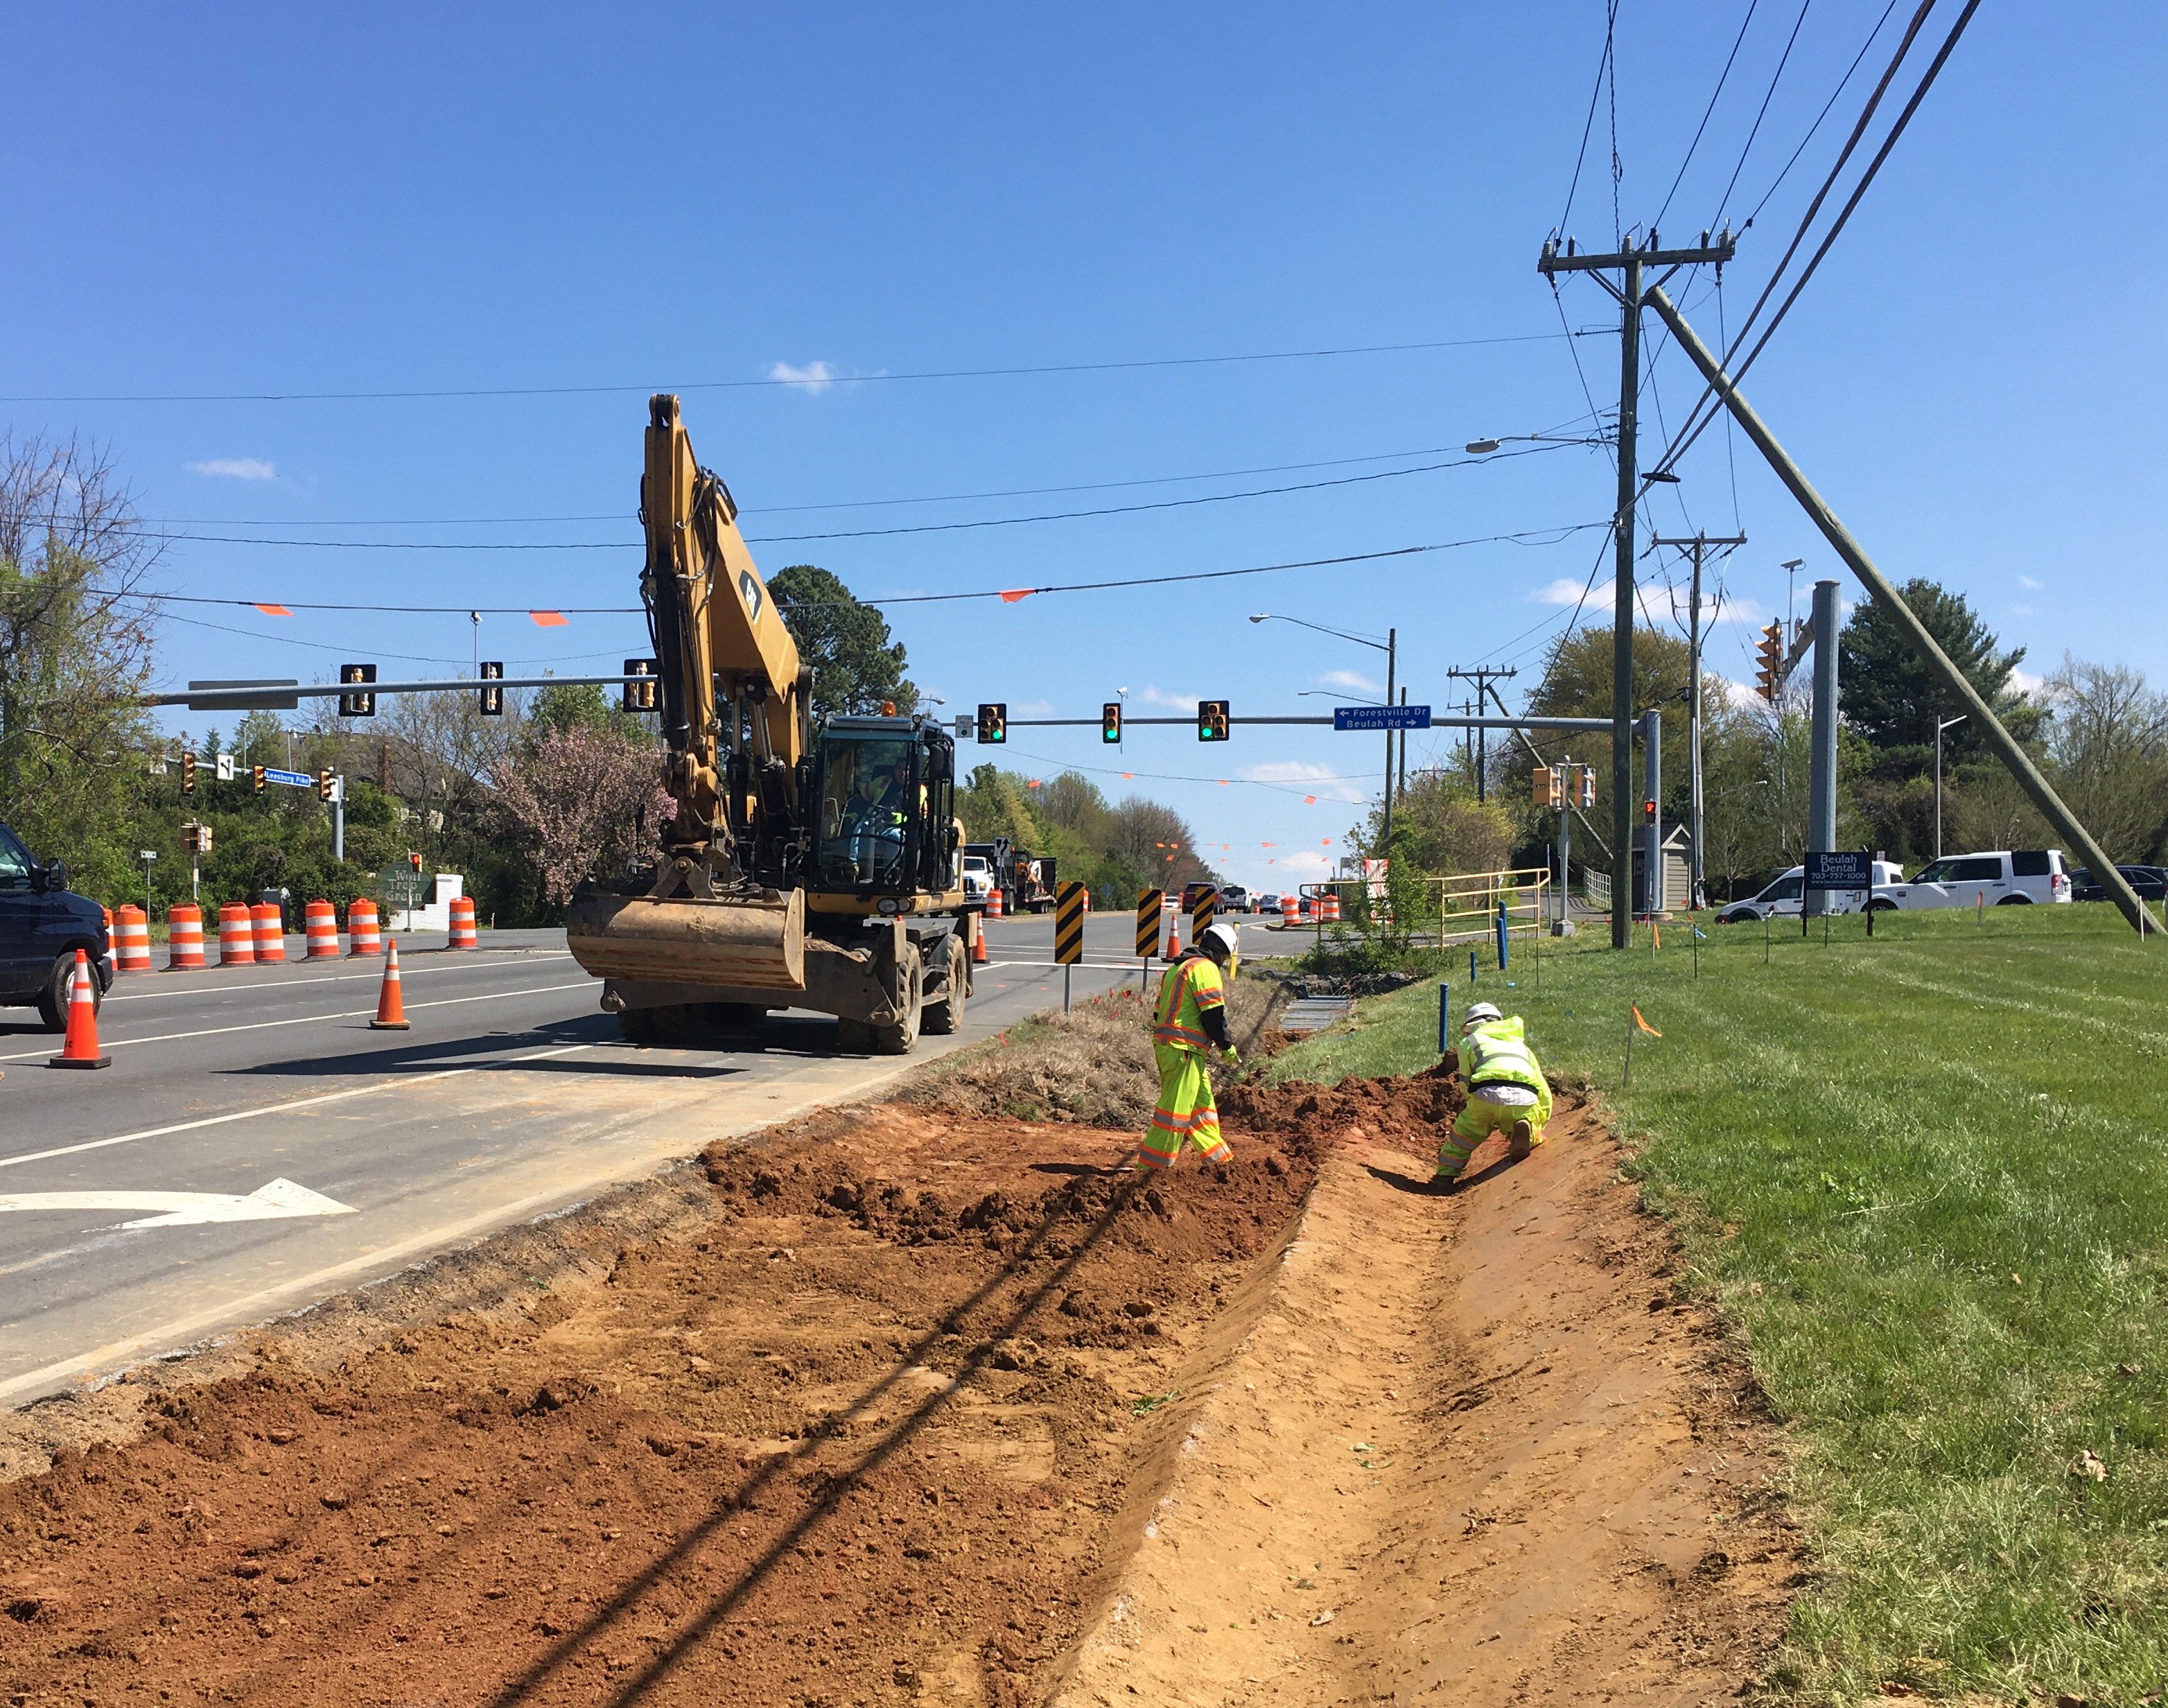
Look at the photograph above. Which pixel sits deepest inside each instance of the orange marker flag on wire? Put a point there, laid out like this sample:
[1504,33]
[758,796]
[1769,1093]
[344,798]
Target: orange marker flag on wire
[270,610]
[1643,1023]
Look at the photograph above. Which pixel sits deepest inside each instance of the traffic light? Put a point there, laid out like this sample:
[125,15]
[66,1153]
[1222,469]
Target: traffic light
[259,779]
[324,784]
[1587,786]
[413,859]
[1110,721]
[1648,812]
[492,699]
[195,837]
[1211,720]
[640,696]
[188,773]
[993,723]
[357,705]
[1550,786]
[1771,652]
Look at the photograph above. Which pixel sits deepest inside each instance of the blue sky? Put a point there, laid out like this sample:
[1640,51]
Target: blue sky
[258,200]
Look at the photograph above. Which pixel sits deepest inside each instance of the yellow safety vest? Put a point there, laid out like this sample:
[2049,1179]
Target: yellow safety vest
[1496,1050]
[1188,987]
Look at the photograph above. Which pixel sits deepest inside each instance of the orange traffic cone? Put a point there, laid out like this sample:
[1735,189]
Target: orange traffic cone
[81,1050]
[978,940]
[1173,938]
[390,1010]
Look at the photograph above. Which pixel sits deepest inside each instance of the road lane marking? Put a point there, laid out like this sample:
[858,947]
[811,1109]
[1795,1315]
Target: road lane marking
[377,972]
[243,1115]
[306,1020]
[274,1201]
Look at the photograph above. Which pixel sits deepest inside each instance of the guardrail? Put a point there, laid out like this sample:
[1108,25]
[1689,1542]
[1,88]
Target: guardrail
[1468,903]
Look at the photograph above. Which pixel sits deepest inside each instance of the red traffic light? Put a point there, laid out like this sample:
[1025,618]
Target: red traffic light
[1648,812]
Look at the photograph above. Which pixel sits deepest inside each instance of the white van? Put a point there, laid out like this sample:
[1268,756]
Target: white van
[1786,897]
[1998,877]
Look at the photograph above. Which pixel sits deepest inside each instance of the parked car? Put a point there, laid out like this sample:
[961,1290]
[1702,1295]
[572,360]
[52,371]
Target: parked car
[2151,884]
[2000,877]
[42,924]
[1786,895]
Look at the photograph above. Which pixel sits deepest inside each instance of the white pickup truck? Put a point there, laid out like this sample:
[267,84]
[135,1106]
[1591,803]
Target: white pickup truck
[1786,895]
[1998,877]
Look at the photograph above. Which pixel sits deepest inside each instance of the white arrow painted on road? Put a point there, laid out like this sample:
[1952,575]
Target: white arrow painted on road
[280,1198]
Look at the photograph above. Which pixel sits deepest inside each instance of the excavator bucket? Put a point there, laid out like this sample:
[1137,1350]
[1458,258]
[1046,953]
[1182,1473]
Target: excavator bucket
[736,943]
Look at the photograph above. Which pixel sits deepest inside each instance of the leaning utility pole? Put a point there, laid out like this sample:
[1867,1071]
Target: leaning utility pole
[1939,664]
[1629,261]
[1482,676]
[1699,545]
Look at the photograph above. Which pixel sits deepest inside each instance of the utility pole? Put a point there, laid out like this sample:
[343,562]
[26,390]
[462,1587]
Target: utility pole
[1629,262]
[1403,752]
[1482,676]
[1699,545]
[1392,658]
[1821,774]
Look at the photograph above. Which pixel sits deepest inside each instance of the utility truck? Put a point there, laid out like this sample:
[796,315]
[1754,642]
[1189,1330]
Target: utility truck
[811,863]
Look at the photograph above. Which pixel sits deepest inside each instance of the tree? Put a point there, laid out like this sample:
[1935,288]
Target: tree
[1439,827]
[1576,682]
[857,669]
[1888,695]
[579,798]
[2108,745]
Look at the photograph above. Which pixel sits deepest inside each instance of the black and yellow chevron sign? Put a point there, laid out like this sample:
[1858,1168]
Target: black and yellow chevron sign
[1069,924]
[1148,907]
[1201,913]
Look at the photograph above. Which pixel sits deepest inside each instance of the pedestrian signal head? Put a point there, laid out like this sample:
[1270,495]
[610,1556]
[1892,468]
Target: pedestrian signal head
[640,696]
[1110,722]
[1550,786]
[1587,785]
[491,700]
[1211,720]
[993,723]
[1648,812]
[357,705]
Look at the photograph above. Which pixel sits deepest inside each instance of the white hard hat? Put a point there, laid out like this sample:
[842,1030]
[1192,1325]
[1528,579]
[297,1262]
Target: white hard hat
[1478,1013]
[1219,941]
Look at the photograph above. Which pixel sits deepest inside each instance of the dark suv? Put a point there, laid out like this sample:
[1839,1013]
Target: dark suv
[42,924]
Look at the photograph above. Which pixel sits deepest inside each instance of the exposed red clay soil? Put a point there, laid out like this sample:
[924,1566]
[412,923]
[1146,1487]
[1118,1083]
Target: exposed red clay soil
[885,1417]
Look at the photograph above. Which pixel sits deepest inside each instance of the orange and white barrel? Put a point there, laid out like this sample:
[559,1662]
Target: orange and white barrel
[131,938]
[185,936]
[994,904]
[320,924]
[106,915]
[270,932]
[1290,911]
[1330,901]
[463,924]
[361,933]
[236,935]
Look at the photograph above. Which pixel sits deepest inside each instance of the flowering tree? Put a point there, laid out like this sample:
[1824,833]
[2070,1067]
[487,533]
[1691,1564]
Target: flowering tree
[576,795]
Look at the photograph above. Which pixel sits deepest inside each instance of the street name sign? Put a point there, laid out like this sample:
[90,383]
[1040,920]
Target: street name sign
[1381,718]
[295,779]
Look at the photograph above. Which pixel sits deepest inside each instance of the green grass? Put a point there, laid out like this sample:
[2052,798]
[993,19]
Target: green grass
[1925,1176]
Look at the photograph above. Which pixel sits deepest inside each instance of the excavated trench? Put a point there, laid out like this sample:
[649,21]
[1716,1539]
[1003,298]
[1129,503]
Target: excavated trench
[893,1406]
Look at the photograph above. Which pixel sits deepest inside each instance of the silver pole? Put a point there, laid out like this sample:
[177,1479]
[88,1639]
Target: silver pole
[1652,834]
[1822,768]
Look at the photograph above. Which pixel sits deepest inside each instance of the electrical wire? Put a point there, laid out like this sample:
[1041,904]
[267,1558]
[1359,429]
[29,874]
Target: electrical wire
[1602,65]
[1769,95]
[1723,77]
[863,533]
[1532,536]
[818,382]
[1814,129]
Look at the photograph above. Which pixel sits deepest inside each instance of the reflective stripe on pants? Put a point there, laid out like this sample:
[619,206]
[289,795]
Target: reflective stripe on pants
[1187,1113]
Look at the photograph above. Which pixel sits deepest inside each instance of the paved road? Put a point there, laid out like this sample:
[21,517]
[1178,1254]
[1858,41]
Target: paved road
[512,1096]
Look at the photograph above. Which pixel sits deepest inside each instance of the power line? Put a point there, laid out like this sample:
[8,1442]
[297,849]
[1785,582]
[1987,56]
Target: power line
[1533,536]
[819,382]
[1769,95]
[862,533]
[1723,77]
[1814,129]
[1604,64]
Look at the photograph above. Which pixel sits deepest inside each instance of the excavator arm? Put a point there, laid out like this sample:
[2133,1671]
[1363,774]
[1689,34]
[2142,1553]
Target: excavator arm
[731,676]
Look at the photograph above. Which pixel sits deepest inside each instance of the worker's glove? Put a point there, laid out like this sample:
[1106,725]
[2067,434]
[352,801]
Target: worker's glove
[1234,1056]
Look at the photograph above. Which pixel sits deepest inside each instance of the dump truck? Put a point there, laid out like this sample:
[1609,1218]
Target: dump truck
[1025,879]
[811,862]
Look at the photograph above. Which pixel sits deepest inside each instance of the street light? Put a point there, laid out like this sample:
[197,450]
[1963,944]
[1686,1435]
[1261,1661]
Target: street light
[1940,725]
[1484,447]
[1390,647]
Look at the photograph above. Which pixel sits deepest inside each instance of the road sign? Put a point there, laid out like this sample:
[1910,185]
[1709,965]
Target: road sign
[1381,718]
[1839,871]
[224,768]
[1207,903]
[292,779]
[1069,924]
[1148,916]
[400,889]
[278,1200]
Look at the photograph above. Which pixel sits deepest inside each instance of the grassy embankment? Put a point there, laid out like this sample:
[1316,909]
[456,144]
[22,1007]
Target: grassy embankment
[1926,1178]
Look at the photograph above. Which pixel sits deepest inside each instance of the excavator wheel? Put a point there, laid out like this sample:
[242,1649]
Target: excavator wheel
[902,1038]
[946,1015]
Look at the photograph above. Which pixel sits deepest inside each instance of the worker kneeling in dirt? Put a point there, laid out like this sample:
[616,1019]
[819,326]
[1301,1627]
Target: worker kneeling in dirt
[1506,1091]
[1189,1019]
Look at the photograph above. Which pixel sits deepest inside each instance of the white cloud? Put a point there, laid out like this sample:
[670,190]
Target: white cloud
[1179,702]
[1561,592]
[2025,682]
[815,376]
[237,468]
[1325,781]
[1346,679]
[2026,581]
[1032,708]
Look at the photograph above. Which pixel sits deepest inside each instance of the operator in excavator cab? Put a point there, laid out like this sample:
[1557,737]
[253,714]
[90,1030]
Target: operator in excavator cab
[1506,1091]
[1189,1019]
[881,790]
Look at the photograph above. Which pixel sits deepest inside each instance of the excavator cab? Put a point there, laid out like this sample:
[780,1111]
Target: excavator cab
[887,789]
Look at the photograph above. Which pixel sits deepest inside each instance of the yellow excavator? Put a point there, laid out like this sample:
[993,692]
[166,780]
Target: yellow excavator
[812,863]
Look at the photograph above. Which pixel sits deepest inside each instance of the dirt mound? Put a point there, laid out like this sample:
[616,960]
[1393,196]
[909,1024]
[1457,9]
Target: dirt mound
[1404,1110]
